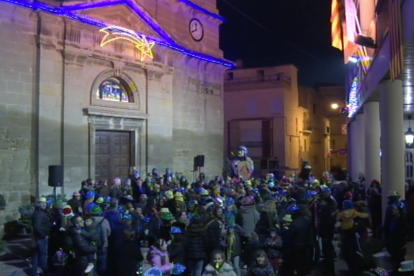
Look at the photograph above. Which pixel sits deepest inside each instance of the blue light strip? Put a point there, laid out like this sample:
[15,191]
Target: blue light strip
[203,10]
[149,21]
[94,22]
[91,5]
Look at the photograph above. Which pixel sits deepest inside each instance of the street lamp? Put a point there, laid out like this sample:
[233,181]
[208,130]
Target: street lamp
[334,106]
[409,135]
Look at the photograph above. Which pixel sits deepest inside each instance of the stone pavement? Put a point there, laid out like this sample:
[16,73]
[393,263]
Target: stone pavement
[15,261]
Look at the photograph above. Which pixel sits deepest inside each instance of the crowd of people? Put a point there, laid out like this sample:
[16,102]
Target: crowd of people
[221,227]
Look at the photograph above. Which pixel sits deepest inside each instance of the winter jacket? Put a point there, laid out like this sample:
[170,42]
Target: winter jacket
[106,229]
[90,233]
[115,192]
[41,223]
[81,246]
[273,246]
[346,217]
[196,243]
[224,270]
[213,231]
[176,251]
[127,258]
[300,231]
[113,216]
[260,270]
[327,218]
[161,260]
[250,217]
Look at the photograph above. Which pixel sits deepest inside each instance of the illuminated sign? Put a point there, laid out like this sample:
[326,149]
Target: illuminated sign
[140,41]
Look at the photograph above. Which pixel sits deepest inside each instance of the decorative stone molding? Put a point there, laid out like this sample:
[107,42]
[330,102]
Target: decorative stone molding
[120,120]
[127,81]
[105,112]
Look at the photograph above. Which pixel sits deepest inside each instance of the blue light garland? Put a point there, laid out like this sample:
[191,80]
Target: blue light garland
[67,12]
[353,102]
[203,10]
[91,5]
[148,20]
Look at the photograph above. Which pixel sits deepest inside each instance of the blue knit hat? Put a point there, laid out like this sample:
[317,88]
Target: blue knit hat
[348,204]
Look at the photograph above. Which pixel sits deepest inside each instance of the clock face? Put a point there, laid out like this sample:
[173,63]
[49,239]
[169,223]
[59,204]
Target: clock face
[196,29]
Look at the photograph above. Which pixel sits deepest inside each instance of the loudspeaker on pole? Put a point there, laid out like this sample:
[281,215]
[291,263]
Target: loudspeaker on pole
[55,178]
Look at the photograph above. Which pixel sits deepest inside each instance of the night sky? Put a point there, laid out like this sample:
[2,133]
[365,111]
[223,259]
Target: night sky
[278,32]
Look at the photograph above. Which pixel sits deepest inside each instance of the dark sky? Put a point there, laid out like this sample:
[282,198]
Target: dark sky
[277,32]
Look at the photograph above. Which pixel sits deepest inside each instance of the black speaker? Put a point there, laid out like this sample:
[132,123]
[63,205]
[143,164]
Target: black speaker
[55,176]
[200,160]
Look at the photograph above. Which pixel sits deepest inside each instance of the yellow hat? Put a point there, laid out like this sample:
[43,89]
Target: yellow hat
[42,199]
[99,200]
[179,196]
[165,210]
[169,194]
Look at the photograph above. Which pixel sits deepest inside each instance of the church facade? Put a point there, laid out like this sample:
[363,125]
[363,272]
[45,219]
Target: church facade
[104,86]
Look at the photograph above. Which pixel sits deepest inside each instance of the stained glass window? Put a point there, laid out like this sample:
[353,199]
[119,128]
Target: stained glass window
[113,90]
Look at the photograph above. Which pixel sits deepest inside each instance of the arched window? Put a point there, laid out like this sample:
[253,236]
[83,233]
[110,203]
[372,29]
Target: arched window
[113,89]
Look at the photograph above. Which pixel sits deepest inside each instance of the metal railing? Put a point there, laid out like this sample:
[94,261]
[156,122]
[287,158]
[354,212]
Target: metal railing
[277,77]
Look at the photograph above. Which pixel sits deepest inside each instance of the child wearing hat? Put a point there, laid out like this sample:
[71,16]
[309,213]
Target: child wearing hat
[90,232]
[347,216]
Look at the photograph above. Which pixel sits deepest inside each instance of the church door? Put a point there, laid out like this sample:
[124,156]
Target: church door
[112,155]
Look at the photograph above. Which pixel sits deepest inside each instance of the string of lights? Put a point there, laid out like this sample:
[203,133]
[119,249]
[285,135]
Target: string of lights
[68,11]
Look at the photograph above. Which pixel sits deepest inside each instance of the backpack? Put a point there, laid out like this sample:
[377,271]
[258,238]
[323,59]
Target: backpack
[101,234]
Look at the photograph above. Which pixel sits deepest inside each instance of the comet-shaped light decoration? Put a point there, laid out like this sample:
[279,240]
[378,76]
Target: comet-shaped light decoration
[113,33]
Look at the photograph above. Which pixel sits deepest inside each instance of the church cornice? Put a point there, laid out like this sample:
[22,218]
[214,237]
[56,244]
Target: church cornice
[70,12]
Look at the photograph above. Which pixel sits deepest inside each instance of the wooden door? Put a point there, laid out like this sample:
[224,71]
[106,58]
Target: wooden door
[112,154]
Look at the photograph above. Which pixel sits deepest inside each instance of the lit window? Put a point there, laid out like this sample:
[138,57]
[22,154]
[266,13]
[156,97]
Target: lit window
[113,89]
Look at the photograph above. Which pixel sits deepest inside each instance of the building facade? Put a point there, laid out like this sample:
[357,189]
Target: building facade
[101,87]
[280,123]
[377,45]
[333,101]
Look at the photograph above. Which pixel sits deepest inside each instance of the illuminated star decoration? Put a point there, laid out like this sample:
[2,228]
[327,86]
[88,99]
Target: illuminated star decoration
[146,48]
[141,43]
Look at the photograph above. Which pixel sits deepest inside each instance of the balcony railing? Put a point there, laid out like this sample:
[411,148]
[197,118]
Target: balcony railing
[277,77]
[307,126]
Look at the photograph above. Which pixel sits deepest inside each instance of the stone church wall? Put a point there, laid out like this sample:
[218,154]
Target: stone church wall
[49,68]
[17,74]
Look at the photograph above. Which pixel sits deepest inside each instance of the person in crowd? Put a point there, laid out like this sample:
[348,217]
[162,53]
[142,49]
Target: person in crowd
[236,216]
[196,246]
[42,226]
[176,249]
[218,266]
[326,229]
[233,246]
[375,210]
[396,236]
[128,256]
[75,203]
[81,246]
[274,245]
[90,232]
[261,265]
[159,257]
